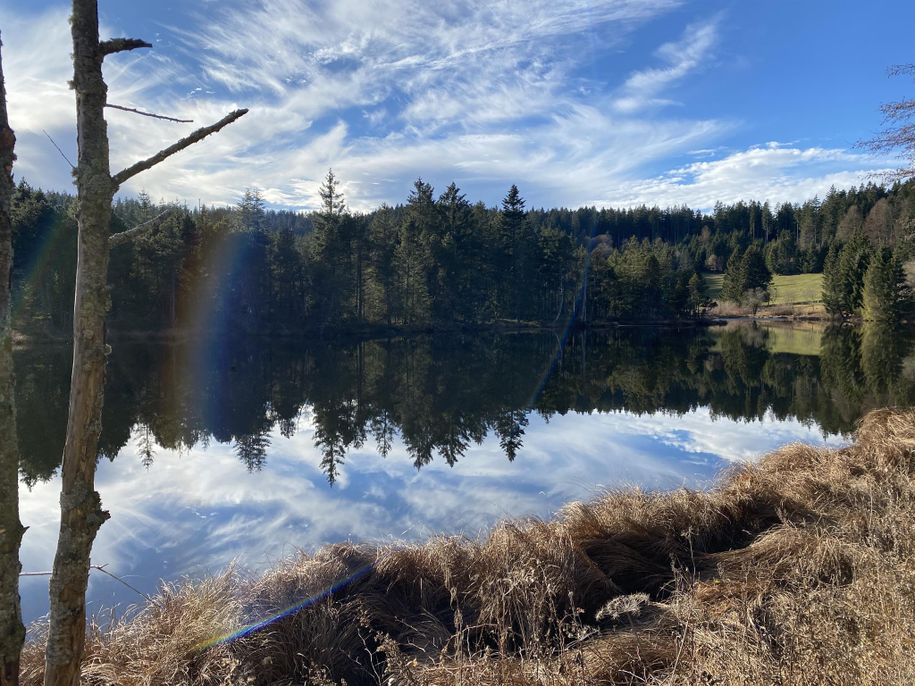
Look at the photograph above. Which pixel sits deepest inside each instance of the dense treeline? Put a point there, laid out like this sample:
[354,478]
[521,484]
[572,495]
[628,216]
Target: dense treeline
[438,259]
[442,394]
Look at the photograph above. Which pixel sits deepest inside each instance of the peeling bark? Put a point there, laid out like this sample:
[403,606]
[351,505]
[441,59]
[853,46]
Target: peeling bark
[12,632]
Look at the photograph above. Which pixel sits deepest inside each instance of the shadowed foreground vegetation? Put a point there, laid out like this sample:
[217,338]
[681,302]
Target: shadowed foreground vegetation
[797,570]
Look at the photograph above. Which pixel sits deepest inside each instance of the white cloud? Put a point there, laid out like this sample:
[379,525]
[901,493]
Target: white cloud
[483,94]
[681,57]
[774,172]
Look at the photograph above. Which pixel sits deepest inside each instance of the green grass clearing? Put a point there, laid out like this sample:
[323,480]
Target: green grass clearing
[713,284]
[795,289]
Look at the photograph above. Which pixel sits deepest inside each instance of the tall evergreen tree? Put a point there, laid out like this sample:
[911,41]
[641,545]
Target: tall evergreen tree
[457,258]
[882,293]
[852,266]
[251,210]
[745,275]
[330,253]
[833,288]
[512,234]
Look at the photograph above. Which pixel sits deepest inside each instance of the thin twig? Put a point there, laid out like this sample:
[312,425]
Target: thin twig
[122,237]
[58,149]
[149,114]
[100,568]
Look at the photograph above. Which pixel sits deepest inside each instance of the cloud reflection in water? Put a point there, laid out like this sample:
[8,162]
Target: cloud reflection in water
[193,513]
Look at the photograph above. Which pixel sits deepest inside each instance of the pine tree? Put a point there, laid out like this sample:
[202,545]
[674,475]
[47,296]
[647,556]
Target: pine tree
[456,257]
[512,232]
[330,252]
[698,295]
[747,274]
[411,263]
[882,293]
[81,511]
[732,284]
[755,273]
[333,204]
[832,283]
[853,262]
[251,211]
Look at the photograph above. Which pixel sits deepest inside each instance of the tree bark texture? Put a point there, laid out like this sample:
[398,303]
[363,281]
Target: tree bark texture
[12,632]
[81,513]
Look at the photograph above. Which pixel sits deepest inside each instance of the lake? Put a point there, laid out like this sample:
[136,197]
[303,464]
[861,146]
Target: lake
[216,450]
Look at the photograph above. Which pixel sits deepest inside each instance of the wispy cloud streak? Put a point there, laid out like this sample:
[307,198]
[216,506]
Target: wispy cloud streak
[486,94]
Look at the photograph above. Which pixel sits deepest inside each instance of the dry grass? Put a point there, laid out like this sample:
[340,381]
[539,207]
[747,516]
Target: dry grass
[726,308]
[798,570]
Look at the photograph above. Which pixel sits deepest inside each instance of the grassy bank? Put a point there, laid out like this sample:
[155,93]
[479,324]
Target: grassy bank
[798,570]
[797,295]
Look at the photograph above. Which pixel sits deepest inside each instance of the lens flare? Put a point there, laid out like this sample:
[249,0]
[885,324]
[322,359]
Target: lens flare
[291,610]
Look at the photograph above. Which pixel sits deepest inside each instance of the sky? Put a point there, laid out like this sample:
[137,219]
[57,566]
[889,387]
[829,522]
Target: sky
[601,102]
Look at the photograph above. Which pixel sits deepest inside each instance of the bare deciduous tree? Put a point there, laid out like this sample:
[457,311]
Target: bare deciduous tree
[12,633]
[899,132]
[80,504]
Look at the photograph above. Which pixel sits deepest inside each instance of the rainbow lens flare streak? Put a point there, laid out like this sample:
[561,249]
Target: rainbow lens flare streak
[292,609]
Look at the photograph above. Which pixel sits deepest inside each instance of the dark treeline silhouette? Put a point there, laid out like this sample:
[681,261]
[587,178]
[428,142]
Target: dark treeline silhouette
[435,261]
[443,394]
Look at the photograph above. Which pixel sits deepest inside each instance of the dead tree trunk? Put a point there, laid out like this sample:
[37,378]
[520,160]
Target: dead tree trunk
[81,511]
[12,632]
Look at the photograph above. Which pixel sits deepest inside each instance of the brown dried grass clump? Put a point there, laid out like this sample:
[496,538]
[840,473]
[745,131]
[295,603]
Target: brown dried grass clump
[797,570]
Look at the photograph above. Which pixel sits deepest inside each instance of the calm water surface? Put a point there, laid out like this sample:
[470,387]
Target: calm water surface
[214,451]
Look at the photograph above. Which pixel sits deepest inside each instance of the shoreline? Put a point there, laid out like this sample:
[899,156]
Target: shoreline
[799,566]
[23,338]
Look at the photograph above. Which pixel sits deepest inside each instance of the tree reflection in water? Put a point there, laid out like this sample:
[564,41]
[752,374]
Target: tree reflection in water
[443,395]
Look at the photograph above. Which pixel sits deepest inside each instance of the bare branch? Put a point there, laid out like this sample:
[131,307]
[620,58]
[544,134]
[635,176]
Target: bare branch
[899,135]
[109,47]
[898,111]
[148,114]
[198,135]
[123,237]
[901,70]
[99,568]
[102,569]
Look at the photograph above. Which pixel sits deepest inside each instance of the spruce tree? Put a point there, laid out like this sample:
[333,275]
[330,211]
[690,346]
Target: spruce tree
[832,283]
[747,273]
[698,294]
[882,290]
[853,262]
[755,273]
[732,284]
[512,233]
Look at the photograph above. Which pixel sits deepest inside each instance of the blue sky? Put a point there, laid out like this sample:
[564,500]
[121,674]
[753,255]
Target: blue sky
[613,102]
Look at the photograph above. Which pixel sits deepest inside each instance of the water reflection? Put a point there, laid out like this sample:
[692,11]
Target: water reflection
[444,395]
[245,450]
